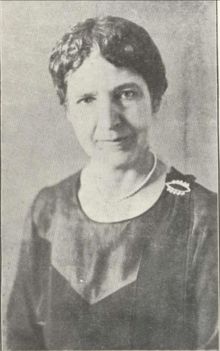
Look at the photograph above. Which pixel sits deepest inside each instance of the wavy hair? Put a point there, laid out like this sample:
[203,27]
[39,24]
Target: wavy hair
[121,42]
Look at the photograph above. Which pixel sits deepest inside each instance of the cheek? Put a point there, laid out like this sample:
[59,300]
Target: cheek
[84,130]
[140,117]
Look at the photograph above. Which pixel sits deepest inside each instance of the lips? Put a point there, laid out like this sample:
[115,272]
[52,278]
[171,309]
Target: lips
[118,143]
[114,140]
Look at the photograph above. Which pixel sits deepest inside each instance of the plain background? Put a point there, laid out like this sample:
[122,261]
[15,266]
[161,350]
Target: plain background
[39,147]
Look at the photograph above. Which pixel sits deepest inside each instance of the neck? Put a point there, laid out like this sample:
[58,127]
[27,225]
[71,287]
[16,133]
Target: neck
[116,182]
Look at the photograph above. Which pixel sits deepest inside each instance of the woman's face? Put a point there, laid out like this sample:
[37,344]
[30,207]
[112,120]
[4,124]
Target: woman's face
[110,110]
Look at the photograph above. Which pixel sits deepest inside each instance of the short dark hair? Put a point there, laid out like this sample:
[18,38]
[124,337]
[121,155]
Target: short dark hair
[121,42]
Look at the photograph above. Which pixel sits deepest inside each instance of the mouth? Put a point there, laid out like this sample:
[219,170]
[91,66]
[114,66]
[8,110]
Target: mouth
[118,143]
[115,140]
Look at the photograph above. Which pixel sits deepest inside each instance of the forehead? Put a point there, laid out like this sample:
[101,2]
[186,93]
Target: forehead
[97,73]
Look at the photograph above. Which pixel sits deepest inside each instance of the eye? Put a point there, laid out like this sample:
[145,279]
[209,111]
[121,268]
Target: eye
[86,100]
[127,95]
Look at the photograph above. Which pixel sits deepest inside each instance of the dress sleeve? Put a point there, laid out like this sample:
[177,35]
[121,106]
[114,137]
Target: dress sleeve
[23,330]
[203,275]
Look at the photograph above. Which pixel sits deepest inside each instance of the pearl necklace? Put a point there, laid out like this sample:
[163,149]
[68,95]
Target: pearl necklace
[146,179]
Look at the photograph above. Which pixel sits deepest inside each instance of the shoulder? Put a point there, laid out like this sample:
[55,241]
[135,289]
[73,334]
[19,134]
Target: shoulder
[204,216]
[51,198]
[203,198]
[203,202]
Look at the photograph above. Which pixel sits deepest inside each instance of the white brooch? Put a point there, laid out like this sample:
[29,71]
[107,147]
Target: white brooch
[181,189]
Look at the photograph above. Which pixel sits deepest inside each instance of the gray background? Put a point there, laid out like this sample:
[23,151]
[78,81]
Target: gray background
[39,146]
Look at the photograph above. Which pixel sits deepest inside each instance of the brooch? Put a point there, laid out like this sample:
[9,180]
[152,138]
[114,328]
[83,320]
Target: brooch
[178,187]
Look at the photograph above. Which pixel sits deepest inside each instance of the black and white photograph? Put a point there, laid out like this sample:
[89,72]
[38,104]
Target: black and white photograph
[109,175]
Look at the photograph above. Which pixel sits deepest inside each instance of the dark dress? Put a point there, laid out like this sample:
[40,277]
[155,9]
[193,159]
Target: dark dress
[173,303]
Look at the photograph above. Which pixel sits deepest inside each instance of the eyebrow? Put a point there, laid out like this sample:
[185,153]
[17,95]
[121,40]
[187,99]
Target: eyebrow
[115,90]
[83,96]
[126,86]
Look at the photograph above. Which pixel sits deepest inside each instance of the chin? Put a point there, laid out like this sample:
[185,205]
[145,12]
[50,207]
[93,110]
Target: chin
[114,159]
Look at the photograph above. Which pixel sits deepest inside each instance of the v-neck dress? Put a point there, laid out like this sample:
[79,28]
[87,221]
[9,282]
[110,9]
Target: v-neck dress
[145,283]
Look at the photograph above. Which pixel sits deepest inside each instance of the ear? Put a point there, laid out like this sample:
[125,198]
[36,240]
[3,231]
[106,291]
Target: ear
[155,114]
[159,108]
[156,106]
[66,108]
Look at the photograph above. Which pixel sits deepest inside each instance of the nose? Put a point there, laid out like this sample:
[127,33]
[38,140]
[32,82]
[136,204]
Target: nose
[109,114]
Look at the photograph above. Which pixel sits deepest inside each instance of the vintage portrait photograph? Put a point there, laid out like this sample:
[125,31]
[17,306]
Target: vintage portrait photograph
[109,175]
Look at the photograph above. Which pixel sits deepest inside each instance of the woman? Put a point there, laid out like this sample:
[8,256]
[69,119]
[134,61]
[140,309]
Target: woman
[123,254]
